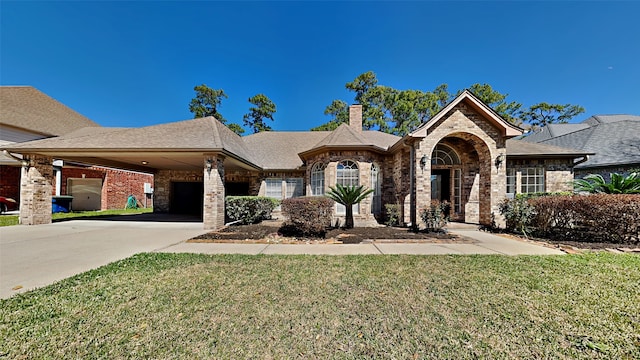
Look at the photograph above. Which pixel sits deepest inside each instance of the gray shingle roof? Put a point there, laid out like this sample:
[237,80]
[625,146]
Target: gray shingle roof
[28,108]
[601,119]
[615,140]
[553,130]
[519,148]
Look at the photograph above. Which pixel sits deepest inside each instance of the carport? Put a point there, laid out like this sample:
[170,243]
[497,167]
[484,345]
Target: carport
[187,158]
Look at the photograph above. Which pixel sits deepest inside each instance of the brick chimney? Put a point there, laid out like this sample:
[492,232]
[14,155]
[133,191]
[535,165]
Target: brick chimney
[355,117]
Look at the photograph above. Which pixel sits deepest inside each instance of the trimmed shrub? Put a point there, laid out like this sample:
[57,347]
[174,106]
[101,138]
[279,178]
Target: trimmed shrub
[517,214]
[613,218]
[436,216]
[392,212]
[249,209]
[307,216]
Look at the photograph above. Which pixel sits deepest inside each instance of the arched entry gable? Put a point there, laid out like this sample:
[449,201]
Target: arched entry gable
[474,186]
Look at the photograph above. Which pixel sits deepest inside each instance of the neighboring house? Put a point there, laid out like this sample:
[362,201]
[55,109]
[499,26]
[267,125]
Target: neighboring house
[464,155]
[28,114]
[614,140]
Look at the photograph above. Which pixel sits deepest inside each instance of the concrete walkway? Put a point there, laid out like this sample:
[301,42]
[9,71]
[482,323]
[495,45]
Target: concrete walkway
[35,256]
[486,244]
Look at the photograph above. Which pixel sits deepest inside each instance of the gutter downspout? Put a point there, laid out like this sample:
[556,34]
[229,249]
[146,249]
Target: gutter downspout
[412,188]
[584,158]
[22,161]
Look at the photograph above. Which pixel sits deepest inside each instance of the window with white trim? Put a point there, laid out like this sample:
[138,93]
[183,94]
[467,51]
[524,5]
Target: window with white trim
[294,187]
[317,179]
[376,205]
[347,174]
[274,188]
[511,183]
[531,180]
[444,155]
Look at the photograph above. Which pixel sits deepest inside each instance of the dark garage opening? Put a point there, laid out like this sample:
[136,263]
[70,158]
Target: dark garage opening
[187,198]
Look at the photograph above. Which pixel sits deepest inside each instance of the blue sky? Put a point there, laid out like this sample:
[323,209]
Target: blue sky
[136,63]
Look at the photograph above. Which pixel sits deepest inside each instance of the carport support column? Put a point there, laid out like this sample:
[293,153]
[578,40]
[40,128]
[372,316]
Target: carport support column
[35,190]
[213,212]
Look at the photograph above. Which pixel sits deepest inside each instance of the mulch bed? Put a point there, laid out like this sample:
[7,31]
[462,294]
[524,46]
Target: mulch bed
[576,246]
[268,232]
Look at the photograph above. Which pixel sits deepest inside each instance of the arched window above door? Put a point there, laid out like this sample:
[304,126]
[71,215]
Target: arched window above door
[444,155]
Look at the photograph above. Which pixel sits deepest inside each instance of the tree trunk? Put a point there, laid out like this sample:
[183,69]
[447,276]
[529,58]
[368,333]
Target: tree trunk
[348,217]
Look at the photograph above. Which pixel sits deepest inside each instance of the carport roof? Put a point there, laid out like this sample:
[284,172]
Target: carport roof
[196,135]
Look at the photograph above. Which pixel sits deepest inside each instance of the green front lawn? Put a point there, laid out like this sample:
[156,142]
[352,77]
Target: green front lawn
[8,220]
[235,307]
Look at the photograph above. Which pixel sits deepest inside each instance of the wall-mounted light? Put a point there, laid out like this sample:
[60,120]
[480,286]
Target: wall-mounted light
[423,162]
[209,165]
[499,160]
[144,162]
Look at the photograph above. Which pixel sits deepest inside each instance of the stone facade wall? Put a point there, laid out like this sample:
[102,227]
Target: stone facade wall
[396,182]
[35,191]
[162,186]
[463,123]
[253,178]
[364,160]
[558,173]
[213,212]
[10,181]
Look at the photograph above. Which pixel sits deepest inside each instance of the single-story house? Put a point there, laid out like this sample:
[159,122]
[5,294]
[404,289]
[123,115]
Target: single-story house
[614,140]
[27,114]
[464,154]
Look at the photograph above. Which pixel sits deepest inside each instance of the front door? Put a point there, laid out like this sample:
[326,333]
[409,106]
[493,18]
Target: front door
[441,185]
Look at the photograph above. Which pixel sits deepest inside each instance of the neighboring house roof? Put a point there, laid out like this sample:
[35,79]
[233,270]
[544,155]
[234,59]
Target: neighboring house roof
[553,130]
[508,129]
[28,108]
[614,139]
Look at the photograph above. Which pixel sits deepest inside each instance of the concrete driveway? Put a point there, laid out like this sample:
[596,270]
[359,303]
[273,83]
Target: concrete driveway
[35,256]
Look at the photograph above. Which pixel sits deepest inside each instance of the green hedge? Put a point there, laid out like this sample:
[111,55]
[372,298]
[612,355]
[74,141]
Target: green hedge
[307,216]
[613,218]
[249,209]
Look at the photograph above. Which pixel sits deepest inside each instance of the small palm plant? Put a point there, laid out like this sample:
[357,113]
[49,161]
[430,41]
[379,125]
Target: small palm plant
[619,184]
[348,196]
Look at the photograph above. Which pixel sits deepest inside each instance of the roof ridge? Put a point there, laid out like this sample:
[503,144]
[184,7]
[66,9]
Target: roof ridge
[214,130]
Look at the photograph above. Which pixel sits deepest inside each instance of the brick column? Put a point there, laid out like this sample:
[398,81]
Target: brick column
[35,191]
[498,185]
[213,212]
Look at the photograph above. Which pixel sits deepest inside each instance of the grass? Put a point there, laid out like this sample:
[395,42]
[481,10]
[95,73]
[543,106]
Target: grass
[9,220]
[188,306]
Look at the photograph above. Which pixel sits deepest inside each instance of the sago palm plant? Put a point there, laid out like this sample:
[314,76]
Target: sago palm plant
[348,196]
[619,184]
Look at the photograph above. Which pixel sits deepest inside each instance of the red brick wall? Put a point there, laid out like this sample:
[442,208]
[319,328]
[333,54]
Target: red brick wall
[10,182]
[119,184]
